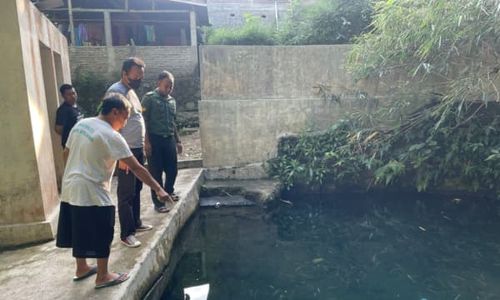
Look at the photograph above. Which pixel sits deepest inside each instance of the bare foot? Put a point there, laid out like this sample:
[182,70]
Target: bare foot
[83,270]
[112,279]
[110,276]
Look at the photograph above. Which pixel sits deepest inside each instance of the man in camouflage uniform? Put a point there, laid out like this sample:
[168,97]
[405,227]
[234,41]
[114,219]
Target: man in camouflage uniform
[162,142]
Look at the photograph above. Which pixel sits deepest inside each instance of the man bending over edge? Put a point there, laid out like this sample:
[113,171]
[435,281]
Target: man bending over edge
[87,212]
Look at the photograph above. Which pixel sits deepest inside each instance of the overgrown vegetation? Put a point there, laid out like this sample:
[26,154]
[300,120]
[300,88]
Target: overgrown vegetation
[441,53]
[324,22]
[253,32]
[90,87]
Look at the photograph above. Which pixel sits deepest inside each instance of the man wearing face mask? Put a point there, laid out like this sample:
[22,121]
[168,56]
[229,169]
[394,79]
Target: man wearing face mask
[129,187]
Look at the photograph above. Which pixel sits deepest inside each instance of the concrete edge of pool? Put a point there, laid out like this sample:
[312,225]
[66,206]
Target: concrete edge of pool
[156,255]
[45,272]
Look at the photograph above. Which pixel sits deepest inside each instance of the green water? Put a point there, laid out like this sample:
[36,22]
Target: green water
[344,247]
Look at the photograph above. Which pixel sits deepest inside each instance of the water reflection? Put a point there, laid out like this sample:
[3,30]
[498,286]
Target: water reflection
[345,247]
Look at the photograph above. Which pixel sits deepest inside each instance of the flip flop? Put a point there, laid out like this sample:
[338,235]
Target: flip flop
[162,209]
[175,197]
[123,277]
[89,273]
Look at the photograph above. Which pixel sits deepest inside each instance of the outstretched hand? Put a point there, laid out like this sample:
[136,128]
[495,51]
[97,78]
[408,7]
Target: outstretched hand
[164,196]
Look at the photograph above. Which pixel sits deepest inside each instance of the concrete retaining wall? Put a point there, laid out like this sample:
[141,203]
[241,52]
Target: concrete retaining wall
[252,94]
[239,132]
[271,72]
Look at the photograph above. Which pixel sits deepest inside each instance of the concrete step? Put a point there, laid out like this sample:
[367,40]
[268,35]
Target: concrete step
[221,201]
[189,164]
[259,191]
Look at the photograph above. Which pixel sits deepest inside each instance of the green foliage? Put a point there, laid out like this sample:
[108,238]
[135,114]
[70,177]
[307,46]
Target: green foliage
[444,54]
[421,157]
[90,88]
[325,22]
[253,32]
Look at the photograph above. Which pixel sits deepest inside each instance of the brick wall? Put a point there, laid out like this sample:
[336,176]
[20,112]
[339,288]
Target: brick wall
[182,61]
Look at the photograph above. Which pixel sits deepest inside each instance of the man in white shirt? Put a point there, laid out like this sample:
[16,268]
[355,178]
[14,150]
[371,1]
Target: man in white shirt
[129,187]
[87,214]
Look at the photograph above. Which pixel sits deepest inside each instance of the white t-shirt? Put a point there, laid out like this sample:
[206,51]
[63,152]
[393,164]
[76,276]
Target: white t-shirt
[94,147]
[135,130]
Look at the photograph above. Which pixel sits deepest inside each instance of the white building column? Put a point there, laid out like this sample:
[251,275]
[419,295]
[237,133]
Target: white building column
[107,29]
[192,27]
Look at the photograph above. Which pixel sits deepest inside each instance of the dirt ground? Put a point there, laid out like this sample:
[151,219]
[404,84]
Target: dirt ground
[191,143]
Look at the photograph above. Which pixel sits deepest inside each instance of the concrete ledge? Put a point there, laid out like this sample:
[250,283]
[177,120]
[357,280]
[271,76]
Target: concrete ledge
[190,164]
[45,272]
[153,260]
[248,172]
[260,191]
[23,234]
[27,233]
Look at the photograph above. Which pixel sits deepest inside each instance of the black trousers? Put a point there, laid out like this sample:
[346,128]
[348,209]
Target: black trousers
[129,198]
[163,160]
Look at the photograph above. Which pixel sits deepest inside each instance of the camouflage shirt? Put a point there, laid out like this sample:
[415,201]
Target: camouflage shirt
[159,114]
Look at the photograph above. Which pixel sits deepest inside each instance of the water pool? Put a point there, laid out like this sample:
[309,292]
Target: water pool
[362,246]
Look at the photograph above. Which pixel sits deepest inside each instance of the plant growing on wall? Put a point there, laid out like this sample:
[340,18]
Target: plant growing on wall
[444,53]
[325,22]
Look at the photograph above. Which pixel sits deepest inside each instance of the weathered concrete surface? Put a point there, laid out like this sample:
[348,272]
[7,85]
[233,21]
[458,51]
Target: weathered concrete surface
[189,164]
[45,272]
[250,171]
[276,72]
[31,160]
[260,191]
[252,94]
[220,201]
[239,132]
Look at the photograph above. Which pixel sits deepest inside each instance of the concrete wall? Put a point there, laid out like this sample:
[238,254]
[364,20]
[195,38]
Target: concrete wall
[182,61]
[252,94]
[30,161]
[270,72]
[239,132]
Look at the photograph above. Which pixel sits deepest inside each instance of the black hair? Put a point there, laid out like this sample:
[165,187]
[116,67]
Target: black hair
[130,62]
[65,87]
[167,74]
[114,100]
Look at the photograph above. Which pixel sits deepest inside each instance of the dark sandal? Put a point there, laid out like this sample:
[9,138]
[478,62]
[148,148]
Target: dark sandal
[162,209]
[175,197]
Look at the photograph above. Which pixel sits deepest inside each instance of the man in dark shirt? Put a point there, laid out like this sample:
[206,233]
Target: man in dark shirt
[68,114]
